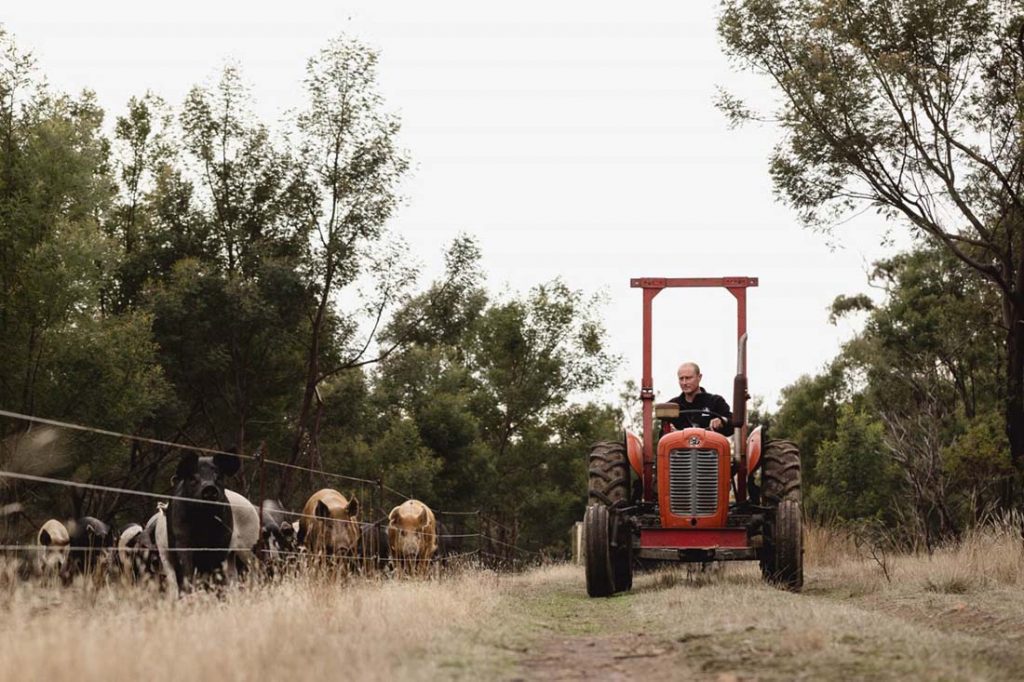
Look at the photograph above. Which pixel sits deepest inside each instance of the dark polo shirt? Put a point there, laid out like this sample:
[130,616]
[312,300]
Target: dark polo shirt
[703,401]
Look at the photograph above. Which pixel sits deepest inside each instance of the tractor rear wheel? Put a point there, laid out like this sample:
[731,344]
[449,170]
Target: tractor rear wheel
[782,550]
[608,475]
[598,551]
[780,472]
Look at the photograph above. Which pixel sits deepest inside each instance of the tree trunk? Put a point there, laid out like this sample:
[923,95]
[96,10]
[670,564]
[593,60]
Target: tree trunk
[301,422]
[1014,314]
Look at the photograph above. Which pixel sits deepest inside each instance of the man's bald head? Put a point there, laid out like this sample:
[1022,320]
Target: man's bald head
[689,379]
[693,366]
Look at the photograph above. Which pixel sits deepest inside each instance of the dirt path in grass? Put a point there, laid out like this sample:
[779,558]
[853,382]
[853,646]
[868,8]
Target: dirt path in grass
[729,626]
[627,656]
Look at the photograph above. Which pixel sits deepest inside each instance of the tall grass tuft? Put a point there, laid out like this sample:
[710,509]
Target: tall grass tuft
[827,545]
[988,555]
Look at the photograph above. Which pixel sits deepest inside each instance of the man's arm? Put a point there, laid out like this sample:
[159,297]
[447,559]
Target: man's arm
[721,407]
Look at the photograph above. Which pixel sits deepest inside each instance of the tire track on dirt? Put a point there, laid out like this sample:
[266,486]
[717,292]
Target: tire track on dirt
[627,656]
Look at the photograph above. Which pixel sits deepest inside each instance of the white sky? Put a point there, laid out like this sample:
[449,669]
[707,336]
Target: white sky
[574,139]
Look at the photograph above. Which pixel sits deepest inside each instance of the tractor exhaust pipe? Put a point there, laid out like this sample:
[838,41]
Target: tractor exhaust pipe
[739,386]
[739,400]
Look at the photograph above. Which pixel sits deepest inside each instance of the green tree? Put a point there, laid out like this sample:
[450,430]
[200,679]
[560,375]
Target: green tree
[350,167]
[216,239]
[64,355]
[531,355]
[927,361]
[855,478]
[141,148]
[551,473]
[808,415]
[910,108]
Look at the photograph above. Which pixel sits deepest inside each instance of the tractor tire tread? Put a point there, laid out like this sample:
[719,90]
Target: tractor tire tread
[608,474]
[780,472]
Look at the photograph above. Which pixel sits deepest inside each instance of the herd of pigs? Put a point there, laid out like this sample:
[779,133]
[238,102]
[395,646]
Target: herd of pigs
[208,533]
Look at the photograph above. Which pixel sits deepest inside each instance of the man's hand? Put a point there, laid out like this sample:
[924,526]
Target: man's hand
[716,424]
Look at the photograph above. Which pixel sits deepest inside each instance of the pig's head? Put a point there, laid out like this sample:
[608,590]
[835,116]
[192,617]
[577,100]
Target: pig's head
[406,527]
[202,478]
[341,527]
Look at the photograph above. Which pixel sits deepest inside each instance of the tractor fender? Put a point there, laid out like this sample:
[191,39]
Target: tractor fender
[754,449]
[635,452]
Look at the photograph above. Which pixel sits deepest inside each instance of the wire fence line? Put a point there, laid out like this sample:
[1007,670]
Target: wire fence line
[186,446]
[378,484]
[209,451]
[192,500]
[274,552]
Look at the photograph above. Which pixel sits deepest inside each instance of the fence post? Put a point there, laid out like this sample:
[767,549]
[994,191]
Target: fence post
[479,540]
[261,452]
[380,498]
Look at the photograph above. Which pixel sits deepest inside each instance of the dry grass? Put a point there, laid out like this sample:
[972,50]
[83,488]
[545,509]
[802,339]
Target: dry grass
[827,547]
[988,557]
[299,629]
[957,614]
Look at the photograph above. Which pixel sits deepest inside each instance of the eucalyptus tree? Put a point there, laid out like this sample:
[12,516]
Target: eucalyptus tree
[926,365]
[142,148]
[350,166]
[534,356]
[909,108]
[63,354]
[220,253]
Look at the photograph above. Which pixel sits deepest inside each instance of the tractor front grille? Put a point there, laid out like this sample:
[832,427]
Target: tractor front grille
[693,482]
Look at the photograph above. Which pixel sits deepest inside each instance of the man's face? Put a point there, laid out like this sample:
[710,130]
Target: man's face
[689,380]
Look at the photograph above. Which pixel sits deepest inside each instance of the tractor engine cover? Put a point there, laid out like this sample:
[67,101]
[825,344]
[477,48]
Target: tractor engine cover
[693,479]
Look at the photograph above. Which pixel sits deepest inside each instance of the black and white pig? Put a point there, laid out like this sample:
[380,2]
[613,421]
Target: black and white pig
[198,528]
[137,553]
[91,548]
[245,535]
[279,543]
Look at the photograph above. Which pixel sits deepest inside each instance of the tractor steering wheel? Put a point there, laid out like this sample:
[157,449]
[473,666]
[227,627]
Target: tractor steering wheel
[706,412]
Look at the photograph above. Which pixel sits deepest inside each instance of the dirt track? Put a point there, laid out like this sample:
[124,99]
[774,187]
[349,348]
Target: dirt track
[610,657]
[729,626]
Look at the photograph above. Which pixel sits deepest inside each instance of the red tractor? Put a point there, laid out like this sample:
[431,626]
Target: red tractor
[696,495]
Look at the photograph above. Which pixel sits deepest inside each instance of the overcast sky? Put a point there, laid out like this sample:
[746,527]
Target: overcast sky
[574,139]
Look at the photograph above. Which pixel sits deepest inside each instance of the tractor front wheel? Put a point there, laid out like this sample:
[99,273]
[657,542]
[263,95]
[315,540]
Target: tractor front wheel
[598,551]
[622,557]
[608,487]
[782,556]
[787,548]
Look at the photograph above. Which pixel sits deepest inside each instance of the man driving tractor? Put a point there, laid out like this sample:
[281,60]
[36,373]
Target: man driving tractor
[697,407]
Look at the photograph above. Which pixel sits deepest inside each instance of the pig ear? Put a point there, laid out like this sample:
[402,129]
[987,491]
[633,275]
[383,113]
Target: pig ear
[45,539]
[393,515]
[353,508]
[186,466]
[321,510]
[227,464]
[423,515]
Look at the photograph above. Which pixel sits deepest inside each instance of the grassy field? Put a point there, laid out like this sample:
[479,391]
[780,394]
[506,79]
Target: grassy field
[958,614]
